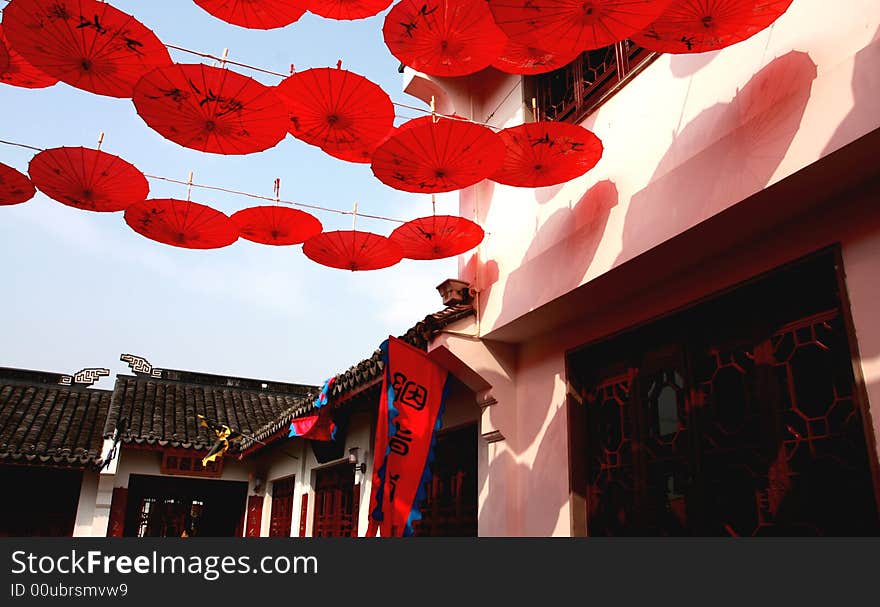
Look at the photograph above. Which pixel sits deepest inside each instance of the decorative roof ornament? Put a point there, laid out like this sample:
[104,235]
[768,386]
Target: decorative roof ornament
[140,365]
[86,377]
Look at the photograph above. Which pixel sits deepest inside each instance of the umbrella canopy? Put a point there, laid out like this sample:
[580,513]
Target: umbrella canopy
[254,14]
[4,56]
[276,225]
[335,109]
[574,25]
[696,27]
[443,37]
[437,237]
[18,72]
[517,58]
[352,250]
[86,43]
[181,223]
[15,187]
[211,109]
[347,10]
[546,153]
[88,179]
[360,155]
[438,156]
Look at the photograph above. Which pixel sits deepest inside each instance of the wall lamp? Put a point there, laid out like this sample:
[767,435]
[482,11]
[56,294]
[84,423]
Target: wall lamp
[353,460]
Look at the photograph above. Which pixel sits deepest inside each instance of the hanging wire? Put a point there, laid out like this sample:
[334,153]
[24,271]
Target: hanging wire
[276,199]
[224,60]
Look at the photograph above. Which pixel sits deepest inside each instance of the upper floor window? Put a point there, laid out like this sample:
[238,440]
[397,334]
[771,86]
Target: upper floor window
[571,93]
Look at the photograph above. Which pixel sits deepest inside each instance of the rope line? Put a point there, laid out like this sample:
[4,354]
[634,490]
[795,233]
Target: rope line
[214,188]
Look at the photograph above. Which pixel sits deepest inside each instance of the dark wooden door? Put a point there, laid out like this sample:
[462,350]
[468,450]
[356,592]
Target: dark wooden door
[450,507]
[334,502]
[282,507]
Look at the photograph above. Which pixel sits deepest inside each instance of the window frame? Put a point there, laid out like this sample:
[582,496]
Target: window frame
[577,409]
[588,99]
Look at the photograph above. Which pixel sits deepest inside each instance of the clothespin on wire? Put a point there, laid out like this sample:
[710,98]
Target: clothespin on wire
[224,57]
[354,216]
[189,185]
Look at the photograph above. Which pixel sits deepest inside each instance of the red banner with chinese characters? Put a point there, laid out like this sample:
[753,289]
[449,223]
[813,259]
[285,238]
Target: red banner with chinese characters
[410,411]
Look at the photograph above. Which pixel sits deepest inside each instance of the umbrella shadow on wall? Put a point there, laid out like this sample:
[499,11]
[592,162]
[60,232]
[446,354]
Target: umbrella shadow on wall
[566,243]
[727,153]
[527,498]
[865,81]
[684,66]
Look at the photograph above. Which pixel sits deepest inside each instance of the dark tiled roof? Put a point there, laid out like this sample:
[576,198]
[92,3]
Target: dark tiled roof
[369,370]
[162,411]
[42,422]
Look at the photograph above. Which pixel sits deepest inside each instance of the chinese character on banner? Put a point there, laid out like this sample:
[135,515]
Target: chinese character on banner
[410,412]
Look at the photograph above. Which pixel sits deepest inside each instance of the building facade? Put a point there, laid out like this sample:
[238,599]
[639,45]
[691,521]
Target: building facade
[684,340]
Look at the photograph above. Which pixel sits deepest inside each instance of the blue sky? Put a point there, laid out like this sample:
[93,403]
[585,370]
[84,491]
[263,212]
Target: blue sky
[78,289]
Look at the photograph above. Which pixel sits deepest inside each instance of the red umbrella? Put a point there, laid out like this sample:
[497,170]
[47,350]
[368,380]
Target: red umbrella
[86,43]
[15,187]
[276,225]
[181,223]
[438,156]
[352,250]
[437,236]
[574,25]
[696,27]
[254,14]
[336,109]
[346,10]
[361,154]
[88,179]
[19,72]
[4,56]
[211,109]
[443,37]
[546,153]
[517,58]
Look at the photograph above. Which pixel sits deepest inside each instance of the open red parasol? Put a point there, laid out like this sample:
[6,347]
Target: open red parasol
[696,27]
[574,25]
[546,153]
[438,156]
[15,187]
[255,14]
[181,223]
[87,179]
[336,109]
[517,58]
[437,236]
[443,37]
[19,72]
[276,225]
[352,250]
[86,43]
[211,109]
[347,10]
[4,56]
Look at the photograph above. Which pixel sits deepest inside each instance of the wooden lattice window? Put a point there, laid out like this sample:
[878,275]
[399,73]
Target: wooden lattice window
[184,462]
[571,92]
[737,417]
